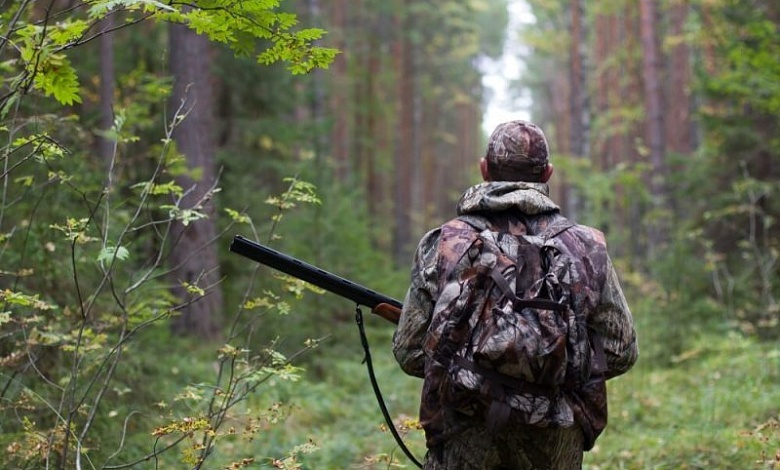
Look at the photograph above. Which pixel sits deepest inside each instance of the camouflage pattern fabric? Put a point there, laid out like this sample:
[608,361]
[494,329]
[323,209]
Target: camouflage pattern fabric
[503,360]
[517,151]
[522,448]
[601,299]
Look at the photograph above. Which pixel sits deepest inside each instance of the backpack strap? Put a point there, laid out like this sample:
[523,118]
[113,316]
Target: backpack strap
[519,304]
[560,225]
[506,221]
[481,222]
[556,228]
[477,222]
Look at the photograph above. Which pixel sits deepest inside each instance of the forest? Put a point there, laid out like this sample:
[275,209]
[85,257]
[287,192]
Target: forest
[137,137]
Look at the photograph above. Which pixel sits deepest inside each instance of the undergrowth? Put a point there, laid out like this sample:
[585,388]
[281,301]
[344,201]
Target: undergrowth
[712,405]
[715,405]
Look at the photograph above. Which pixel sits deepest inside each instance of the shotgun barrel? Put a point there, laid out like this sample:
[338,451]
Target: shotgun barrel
[306,272]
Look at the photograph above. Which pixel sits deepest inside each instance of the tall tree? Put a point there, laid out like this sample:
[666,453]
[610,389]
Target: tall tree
[680,128]
[404,149]
[107,79]
[339,107]
[654,108]
[193,256]
[578,97]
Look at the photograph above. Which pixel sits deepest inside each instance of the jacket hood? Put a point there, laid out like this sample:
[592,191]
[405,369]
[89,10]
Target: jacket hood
[496,196]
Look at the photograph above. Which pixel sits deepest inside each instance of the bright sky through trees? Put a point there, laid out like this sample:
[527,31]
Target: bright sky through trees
[502,105]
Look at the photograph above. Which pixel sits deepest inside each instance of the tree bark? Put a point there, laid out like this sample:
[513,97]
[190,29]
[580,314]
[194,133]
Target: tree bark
[107,80]
[372,149]
[339,95]
[193,257]
[654,108]
[404,147]
[679,127]
[557,89]
[631,95]
[578,99]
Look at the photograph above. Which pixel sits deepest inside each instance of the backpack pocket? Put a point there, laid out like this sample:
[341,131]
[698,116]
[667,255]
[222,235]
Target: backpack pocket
[528,345]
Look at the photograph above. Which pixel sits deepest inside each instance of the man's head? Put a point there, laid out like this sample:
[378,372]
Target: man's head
[517,151]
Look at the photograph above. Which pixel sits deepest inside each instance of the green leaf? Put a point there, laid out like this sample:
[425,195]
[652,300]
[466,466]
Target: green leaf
[100,8]
[238,217]
[25,181]
[193,289]
[108,253]
[24,300]
[67,31]
[56,77]
[159,189]
[185,216]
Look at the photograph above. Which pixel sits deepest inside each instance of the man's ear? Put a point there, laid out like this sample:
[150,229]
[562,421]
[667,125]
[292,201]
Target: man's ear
[484,169]
[548,171]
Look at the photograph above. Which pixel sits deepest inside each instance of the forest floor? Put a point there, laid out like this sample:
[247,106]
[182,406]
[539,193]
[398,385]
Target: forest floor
[714,406]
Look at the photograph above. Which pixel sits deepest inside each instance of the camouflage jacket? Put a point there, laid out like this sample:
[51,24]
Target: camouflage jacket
[607,311]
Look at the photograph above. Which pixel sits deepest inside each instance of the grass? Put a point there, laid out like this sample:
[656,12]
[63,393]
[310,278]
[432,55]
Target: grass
[713,405]
[716,406]
[336,409]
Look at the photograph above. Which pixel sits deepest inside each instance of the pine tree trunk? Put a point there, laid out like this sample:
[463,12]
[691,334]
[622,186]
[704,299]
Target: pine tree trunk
[679,125]
[193,257]
[654,108]
[404,147]
[340,96]
[578,100]
[107,79]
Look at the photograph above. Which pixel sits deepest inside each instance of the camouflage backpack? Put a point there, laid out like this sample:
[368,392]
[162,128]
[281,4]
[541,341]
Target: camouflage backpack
[505,330]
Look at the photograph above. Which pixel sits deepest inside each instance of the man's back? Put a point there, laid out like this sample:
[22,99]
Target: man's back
[458,441]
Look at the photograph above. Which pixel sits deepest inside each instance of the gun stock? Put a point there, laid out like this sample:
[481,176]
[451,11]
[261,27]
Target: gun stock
[380,304]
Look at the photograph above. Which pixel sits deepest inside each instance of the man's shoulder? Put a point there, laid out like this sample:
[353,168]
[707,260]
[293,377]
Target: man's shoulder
[451,230]
[586,247]
[590,233]
[557,224]
[455,236]
[459,227]
[429,241]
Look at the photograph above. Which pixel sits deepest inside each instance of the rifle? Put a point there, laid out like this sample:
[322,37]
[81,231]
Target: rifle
[380,304]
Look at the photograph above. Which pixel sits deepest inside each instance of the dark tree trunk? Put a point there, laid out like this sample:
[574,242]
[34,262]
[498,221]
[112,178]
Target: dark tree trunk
[404,147]
[654,108]
[107,80]
[193,256]
[578,99]
[339,94]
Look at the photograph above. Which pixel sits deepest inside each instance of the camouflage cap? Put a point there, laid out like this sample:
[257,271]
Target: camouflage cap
[517,151]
